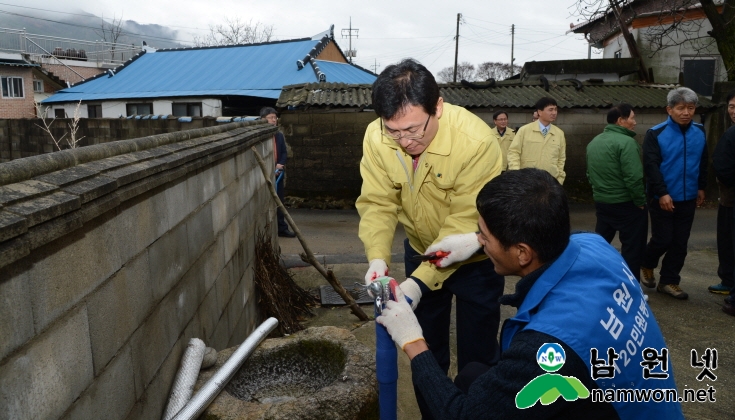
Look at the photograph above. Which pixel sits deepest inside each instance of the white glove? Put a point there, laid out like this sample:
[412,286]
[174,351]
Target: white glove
[411,290]
[457,247]
[378,268]
[399,320]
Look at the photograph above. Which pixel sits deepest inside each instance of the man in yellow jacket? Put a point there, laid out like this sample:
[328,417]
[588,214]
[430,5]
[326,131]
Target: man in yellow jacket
[503,134]
[540,144]
[424,162]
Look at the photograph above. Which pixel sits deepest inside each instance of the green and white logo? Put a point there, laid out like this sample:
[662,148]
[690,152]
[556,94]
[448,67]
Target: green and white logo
[548,387]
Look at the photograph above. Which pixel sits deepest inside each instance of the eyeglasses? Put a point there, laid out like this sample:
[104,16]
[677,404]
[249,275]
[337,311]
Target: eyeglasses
[407,136]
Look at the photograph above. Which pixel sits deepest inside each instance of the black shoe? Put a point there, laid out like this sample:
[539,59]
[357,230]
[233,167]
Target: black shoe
[286,234]
[728,300]
[728,309]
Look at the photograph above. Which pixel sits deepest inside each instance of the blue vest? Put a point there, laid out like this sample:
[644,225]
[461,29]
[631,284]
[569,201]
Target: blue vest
[589,299]
[681,154]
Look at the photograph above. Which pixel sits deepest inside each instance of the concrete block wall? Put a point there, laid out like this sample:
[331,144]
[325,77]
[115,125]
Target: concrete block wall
[326,147]
[113,256]
[325,152]
[22,136]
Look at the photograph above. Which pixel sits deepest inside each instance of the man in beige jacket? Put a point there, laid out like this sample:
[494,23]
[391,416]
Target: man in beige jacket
[503,134]
[540,144]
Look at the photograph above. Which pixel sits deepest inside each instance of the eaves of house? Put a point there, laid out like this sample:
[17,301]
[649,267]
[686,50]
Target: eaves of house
[253,70]
[505,94]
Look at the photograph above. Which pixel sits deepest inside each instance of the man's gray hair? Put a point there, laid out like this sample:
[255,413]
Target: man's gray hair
[680,95]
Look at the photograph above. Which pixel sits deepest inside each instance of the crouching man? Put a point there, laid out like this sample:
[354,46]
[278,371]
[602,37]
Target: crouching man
[582,325]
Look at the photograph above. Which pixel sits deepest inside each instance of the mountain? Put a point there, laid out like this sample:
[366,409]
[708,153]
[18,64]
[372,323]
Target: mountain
[86,26]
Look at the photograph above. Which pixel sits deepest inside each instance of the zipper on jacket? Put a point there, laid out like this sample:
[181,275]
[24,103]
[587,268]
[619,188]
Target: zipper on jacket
[405,168]
[685,163]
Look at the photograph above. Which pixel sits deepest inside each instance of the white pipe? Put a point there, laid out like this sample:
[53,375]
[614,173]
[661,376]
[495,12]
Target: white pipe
[186,377]
[217,382]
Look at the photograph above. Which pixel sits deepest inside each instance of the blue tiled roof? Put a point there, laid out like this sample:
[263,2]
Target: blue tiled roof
[245,70]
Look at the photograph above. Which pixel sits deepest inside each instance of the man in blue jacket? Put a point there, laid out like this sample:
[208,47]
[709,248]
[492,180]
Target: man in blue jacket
[576,295]
[675,164]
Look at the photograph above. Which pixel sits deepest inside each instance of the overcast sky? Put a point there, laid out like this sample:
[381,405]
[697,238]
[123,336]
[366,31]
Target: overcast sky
[389,30]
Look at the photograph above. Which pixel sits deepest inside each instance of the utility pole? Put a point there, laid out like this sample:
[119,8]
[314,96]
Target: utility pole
[456,48]
[348,33]
[375,66]
[512,45]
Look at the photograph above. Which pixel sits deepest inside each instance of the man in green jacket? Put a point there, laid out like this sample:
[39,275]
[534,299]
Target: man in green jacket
[615,172]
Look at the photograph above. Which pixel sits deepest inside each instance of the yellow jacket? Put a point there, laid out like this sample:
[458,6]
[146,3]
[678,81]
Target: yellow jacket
[435,201]
[530,149]
[504,141]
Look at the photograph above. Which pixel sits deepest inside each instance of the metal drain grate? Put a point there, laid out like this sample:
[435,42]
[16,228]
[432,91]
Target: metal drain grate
[330,298]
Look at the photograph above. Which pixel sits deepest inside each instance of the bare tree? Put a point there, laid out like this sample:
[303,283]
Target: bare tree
[235,31]
[111,32]
[72,140]
[675,24]
[465,71]
[495,70]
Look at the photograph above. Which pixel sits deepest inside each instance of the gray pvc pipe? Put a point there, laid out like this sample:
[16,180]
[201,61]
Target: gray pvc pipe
[186,377]
[216,383]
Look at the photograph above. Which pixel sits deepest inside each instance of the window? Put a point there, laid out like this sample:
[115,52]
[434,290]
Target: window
[618,54]
[139,109]
[59,113]
[699,74]
[38,86]
[12,87]
[187,109]
[94,111]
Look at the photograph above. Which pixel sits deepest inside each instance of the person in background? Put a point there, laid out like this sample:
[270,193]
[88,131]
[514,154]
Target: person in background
[540,144]
[280,155]
[503,134]
[675,165]
[615,171]
[534,116]
[573,289]
[723,163]
[423,163]
[725,223]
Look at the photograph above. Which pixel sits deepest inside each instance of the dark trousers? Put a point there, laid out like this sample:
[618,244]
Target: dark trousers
[632,223]
[477,288]
[282,225]
[726,245]
[669,235]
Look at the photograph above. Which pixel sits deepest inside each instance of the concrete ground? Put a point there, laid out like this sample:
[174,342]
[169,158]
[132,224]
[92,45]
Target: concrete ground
[697,323]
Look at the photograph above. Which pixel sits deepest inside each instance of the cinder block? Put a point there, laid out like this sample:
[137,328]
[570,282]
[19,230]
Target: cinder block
[168,260]
[139,224]
[178,203]
[224,285]
[209,313]
[66,270]
[152,399]
[117,308]
[194,191]
[220,337]
[221,210]
[231,239]
[211,183]
[153,341]
[227,171]
[200,231]
[16,316]
[112,394]
[43,379]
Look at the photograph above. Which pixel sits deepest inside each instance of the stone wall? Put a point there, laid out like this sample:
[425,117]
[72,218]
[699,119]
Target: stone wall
[21,138]
[326,147]
[113,256]
[325,152]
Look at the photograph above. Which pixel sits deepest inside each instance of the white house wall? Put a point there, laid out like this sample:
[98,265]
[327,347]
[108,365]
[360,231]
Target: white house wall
[211,107]
[667,63]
